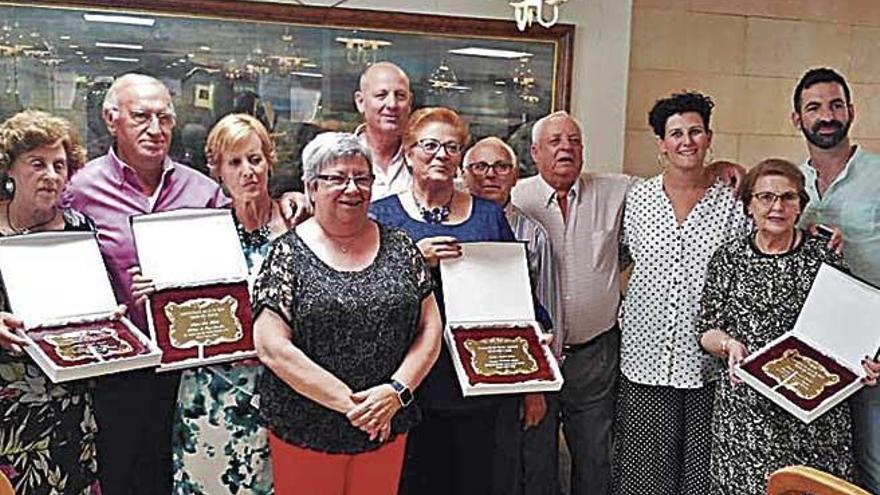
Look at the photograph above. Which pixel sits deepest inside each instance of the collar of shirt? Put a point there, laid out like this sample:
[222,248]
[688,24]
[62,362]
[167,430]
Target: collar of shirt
[122,171]
[573,194]
[811,175]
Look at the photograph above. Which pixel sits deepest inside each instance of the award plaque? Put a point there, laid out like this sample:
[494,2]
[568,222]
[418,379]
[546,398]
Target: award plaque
[57,285]
[799,373]
[200,313]
[501,355]
[816,365]
[202,324]
[491,332]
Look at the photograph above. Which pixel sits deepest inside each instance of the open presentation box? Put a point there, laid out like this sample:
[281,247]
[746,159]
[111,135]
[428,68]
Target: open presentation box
[491,332]
[817,364]
[200,313]
[58,286]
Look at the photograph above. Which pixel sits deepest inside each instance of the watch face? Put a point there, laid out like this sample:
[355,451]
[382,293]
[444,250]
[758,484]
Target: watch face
[406,397]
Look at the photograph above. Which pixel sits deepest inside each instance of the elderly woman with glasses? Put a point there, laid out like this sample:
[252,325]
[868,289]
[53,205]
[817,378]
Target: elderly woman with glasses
[347,326]
[452,451]
[47,431]
[755,288]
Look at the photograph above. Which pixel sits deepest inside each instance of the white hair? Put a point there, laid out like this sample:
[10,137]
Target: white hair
[491,140]
[327,148]
[539,124]
[111,99]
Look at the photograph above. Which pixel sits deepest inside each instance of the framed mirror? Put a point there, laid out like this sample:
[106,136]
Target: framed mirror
[295,68]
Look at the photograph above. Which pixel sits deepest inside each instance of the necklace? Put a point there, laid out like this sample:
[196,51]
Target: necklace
[255,238]
[794,236]
[32,227]
[438,214]
[345,247]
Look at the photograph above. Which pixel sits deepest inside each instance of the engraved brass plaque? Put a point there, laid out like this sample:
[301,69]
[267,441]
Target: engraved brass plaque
[203,321]
[801,374]
[501,356]
[90,343]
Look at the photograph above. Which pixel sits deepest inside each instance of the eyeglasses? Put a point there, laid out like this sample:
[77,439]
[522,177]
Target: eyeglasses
[767,198]
[139,117]
[334,181]
[432,146]
[482,168]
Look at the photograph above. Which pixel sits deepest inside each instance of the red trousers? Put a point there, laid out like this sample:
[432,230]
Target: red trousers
[308,472]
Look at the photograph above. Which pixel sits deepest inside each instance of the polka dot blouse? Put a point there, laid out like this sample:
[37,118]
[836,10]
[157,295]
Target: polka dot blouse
[659,343]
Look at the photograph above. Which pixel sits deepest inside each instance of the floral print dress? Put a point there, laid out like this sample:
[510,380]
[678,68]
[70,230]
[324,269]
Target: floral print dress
[756,297]
[47,431]
[219,442]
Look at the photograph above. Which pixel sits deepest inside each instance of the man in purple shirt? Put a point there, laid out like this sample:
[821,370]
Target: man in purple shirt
[135,409]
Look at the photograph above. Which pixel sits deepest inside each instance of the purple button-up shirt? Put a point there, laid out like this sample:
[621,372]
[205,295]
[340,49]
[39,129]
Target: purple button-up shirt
[109,192]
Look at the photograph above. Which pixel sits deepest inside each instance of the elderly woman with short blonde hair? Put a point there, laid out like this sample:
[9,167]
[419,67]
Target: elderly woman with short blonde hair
[347,326]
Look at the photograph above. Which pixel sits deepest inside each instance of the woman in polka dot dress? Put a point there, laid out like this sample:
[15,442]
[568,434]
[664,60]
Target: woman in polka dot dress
[672,225]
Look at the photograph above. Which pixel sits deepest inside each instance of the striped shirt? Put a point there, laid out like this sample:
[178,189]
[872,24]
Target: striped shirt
[584,248]
[541,267]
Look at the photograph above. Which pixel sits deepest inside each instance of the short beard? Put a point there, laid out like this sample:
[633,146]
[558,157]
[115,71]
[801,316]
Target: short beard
[826,142]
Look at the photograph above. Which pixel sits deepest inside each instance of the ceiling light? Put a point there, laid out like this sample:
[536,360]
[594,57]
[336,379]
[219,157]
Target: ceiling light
[476,51]
[121,46]
[306,74]
[120,19]
[205,48]
[122,59]
[64,37]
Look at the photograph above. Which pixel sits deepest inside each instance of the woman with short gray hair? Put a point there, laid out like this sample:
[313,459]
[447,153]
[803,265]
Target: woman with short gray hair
[347,326]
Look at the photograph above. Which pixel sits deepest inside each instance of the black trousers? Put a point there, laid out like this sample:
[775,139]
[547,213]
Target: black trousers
[134,411]
[451,452]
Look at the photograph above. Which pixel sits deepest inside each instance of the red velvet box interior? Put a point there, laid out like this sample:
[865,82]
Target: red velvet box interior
[460,335]
[754,366]
[171,354]
[123,332]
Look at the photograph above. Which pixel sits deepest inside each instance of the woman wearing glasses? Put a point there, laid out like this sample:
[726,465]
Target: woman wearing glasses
[347,326]
[452,451]
[755,288]
[672,224]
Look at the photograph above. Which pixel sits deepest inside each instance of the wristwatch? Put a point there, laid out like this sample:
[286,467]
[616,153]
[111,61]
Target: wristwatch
[403,393]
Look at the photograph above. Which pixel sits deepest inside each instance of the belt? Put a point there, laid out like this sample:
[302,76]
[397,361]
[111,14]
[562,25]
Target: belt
[573,348]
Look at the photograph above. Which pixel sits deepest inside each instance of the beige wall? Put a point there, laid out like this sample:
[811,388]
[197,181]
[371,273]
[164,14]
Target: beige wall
[748,55]
[602,45]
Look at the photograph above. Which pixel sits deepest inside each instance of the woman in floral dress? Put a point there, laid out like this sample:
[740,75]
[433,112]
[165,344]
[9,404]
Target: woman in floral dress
[219,443]
[755,288]
[47,431]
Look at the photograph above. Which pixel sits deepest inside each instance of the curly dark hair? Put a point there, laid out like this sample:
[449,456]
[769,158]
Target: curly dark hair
[689,101]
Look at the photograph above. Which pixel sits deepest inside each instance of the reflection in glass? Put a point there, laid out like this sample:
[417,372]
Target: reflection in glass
[298,80]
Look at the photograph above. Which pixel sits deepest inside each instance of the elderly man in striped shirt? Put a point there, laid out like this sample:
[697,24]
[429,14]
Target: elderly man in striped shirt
[490,172]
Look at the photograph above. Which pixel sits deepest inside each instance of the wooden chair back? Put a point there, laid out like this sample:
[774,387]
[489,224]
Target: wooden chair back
[799,480]
[5,485]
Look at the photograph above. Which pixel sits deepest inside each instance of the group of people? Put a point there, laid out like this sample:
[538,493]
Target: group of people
[354,391]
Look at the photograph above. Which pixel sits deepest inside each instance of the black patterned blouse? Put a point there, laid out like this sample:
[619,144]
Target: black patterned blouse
[755,298]
[356,325]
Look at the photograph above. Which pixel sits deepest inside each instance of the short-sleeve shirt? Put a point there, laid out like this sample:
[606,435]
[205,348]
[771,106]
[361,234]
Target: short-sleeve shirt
[659,344]
[852,204]
[357,325]
[440,389]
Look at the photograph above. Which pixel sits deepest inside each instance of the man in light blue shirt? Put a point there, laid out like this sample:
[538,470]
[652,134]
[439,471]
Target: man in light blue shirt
[843,181]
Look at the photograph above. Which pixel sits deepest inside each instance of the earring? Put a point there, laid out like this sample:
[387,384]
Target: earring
[9,187]
[660,160]
[710,156]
